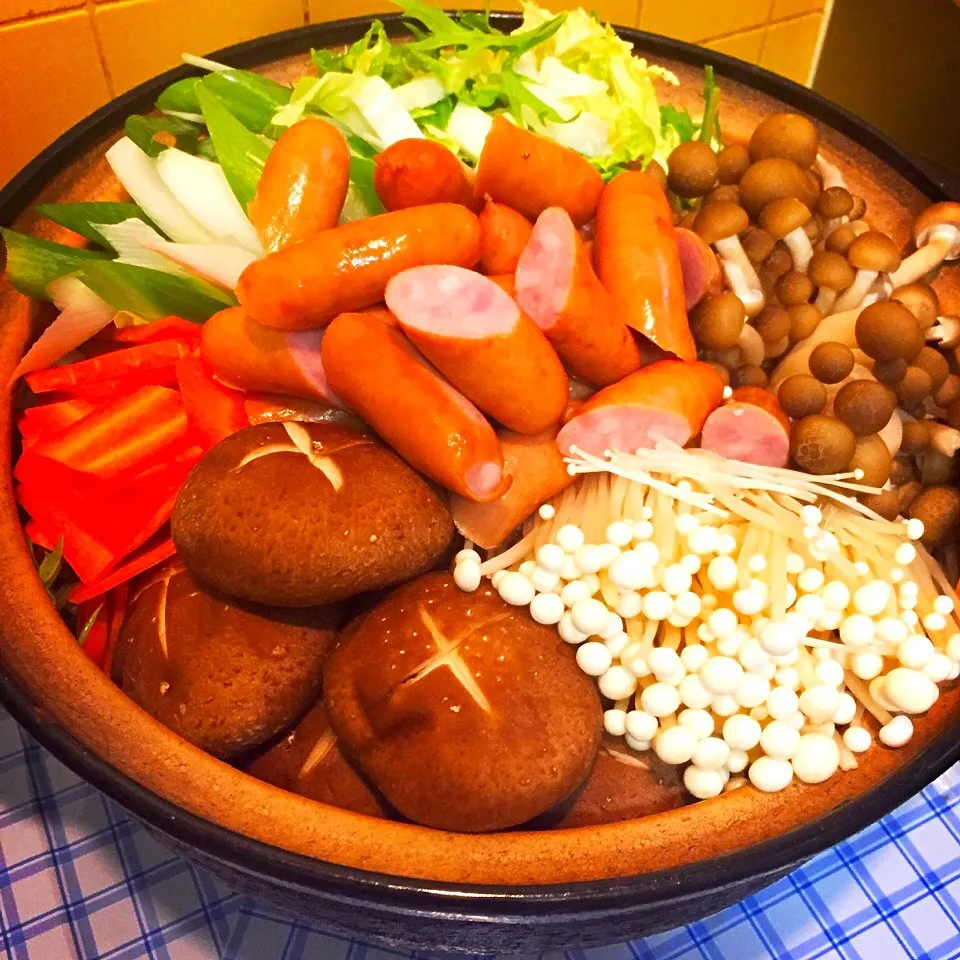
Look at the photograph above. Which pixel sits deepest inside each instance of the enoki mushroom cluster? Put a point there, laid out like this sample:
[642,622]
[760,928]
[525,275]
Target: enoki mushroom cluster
[740,619]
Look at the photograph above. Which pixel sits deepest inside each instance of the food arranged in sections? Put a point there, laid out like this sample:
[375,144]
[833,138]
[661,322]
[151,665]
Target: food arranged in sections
[459,436]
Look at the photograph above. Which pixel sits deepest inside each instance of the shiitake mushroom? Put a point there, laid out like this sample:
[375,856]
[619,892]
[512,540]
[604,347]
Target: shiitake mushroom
[728,193]
[935,363]
[906,494]
[887,330]
[916,437]
[822,445]
[716,322]
[831,362]
[874,251]
[802,395]
[890,372]
[885,503]
[841,239]
[757,244]
[794,288]
[913,386]
[804,319]
[748,376]
[732,163]
[834,202]
[774,178]
[778,263]
[787,136]
[938,508]
[772,323]
[865,406]
[692,169]
[858,209]
[873,458]
[830,270]
[921,300]
[948,391]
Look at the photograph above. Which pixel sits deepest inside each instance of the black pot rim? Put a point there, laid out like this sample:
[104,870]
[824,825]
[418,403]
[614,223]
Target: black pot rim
[409,895]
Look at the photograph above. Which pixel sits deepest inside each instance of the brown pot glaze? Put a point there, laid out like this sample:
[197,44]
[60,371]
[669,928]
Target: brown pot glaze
[40,654]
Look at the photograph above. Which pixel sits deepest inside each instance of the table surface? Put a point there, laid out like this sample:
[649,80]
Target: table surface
[78,878]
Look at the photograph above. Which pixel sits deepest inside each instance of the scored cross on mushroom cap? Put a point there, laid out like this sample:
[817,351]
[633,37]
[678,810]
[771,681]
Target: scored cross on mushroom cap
[785,219]
[465,712]
[936,232]
[872,253]
[719,224]
[831,273]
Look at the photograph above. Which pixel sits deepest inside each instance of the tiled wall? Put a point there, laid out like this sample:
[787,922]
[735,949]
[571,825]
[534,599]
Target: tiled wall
[60,59]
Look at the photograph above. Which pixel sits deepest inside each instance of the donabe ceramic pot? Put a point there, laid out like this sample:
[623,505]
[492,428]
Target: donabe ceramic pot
[396,882]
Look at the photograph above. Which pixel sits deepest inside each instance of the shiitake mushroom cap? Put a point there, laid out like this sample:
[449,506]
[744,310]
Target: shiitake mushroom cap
[874,251]
[783,216]
[772,323]
[794,288]
[890,372]
[916,437]
[872,457]
[913,386]
[822,445]
[778,263]
[726,192]
[732,163]
[757,244]
[772,179]
[804,319]
[938,508]
[885,503]
[717,221]
[935,363]
[948,392]
[921,300]
[692,169]
[834,202]
[787,136]
[865,406]
[716,322]
[802,395]
[887,330]
[831,362]
[748,376]
[831,270]
[840,239]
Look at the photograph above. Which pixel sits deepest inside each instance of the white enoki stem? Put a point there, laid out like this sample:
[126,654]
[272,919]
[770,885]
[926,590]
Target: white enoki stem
[740,274]
[798,243]
[881,290]
[945,332]
[825,300]
[928,257]
[852,297]
[751,346]
[944,439]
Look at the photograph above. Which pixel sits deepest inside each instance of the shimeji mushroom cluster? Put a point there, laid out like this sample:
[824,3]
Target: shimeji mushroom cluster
[741,620]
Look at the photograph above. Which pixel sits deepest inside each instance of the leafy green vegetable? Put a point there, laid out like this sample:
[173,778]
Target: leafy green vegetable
[710,125]
[88,626]
[152,294]
[519,95]
[253,99]
[49,567]
[436,115]
[81,217]
[33,264]
[679,120]
[240,152]
[181,96]
[153,134]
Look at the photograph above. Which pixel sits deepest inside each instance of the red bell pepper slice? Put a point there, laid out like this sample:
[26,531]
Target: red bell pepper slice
[48,419]
[142,361]
[101,521]
[95,642]
[149,555]
[166,328]
[213,410]
[39,536]
[124,437]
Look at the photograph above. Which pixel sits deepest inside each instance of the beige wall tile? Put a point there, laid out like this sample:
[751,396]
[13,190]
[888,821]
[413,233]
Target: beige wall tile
[793,8]
[21,9]
[744,46]
[50,77]
[790,47]
[142,38]
[616,11]
[698,19]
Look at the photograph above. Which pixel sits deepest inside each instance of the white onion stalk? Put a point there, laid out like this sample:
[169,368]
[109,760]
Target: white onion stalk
[382,109]
[184,115]
[202,187]
[82,314]
[468,127]
[133,239]
[204,63]
[220,263]
[139,177]
[420,93]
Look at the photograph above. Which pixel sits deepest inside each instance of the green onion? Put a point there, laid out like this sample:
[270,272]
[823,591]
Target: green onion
[240,153]
[32,263]
[151,294]
[144,131]
[81,217]
[251,98]
[180,96]
[88,626]
[710,124]
[49,568]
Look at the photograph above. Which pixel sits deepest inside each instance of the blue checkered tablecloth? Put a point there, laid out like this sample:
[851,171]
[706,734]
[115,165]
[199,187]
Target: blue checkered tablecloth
[81,880]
